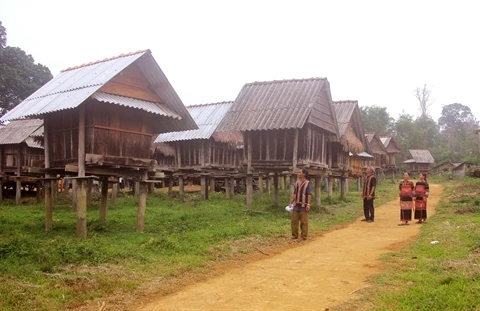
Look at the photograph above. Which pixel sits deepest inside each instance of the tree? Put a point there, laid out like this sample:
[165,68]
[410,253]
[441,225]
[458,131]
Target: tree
[3,36]
[376,119]
[20,76]
[458,126]
[423,97]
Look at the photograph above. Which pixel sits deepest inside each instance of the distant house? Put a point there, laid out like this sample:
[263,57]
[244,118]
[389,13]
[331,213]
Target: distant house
[352,136]
[393,148]
[461,169]
[21,153]
[379,151]
[419,161]
[445,167]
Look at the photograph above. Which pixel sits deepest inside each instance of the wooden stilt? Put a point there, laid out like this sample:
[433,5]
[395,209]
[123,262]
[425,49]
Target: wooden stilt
[142,206]
[181,188]
[232,187]
[249,190]
[81,190]
[104,199]
[275,189]
[318,191]
[113,200]
[260,183]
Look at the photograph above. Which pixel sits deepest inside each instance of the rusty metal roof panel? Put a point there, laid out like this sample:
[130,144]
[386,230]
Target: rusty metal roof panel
[281,104]
[148,106]
[18,131]
[207,118]
[74,85]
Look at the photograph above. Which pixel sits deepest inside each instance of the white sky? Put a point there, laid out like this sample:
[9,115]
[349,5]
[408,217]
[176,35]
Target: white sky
[376,52]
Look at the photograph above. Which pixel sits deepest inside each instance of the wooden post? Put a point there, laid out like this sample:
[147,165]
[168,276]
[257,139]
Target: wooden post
[48,206]
[81,191]
[1,175]
[232,187]
[46,184]
[283,182]
[249,184]
[142,205]
[275,189]
[268,182]
[295,151]
[359,184]
[1,189]
[170,187]
[227,186]
[136,188]
[260,182]
[293,181]
[212,183]
[89,185]
[181,188]
[342,188]
[318,190]
[249,152]
[104,199]
[204,186]
[18,195]
[81,141]
[113,201]
[330,187]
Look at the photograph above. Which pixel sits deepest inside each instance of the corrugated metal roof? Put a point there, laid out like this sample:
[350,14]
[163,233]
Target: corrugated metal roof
[281,104]
[390,144]
[344,110]
[18,131]
[207,117]
[421,156]
[73,86]
[376,145]
[148,106]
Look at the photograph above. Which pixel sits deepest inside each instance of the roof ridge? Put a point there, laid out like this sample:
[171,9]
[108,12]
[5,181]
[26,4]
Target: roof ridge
[210,104]
[287,80]
[349,101]
[106,59]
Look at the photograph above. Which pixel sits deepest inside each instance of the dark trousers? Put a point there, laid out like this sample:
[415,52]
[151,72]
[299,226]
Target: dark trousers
[368,209]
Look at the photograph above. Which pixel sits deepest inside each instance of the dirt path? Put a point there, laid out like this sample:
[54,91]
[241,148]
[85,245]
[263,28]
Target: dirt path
[313,275]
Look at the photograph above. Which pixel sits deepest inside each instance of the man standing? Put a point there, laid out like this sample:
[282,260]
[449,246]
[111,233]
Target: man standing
[368,195]
[301,197]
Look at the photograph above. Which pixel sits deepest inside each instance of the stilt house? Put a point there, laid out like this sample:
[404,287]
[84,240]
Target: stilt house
[353,142]
[378,149]
[101,118]
[21,154]
[393,148]
[419,161]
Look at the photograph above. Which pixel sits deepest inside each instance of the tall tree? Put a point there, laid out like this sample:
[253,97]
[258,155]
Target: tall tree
[20,76]
[458,126]
[376,119]
[422,94]
[3,36]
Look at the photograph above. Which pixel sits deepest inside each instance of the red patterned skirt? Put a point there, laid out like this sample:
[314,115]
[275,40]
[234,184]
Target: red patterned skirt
[420,209]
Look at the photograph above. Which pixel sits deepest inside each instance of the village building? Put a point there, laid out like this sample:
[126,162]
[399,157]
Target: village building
[353,142]
[100,119]
[419,161]
[21,156]
[379,151]
[393,149]
[202,154]
[286,125]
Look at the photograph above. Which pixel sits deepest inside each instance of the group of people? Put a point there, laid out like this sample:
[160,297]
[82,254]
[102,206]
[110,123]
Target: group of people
[413,200]
[409,194]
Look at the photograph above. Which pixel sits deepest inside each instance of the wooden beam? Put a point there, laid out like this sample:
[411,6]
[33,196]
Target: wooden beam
[81,142]
[104,199]
[295,150]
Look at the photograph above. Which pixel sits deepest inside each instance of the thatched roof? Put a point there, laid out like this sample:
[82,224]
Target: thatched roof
[351,142]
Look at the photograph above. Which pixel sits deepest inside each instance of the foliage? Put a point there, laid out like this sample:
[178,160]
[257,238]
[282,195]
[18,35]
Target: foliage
[376,119]
[422,94]
[458,129]
[20,75]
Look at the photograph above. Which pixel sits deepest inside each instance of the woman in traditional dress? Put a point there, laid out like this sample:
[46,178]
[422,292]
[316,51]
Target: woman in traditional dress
[406,188]
[421,194]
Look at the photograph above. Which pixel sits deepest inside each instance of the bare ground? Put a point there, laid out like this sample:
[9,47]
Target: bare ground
[317,274]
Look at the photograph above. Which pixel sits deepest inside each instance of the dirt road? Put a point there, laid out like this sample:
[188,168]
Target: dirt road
[313,275]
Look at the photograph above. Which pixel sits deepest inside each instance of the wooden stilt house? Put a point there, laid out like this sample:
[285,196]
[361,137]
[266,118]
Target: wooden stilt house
[101,119]
[378,149]
[203,152]
[352,137]
[287,124]
[21,154]
[419,161]
[393,148]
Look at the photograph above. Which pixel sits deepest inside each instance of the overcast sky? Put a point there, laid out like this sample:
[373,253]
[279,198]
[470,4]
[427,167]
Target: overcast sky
[376,52]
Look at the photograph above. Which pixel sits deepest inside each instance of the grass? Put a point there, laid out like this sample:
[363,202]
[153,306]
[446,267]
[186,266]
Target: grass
[55,270]
[441,269]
